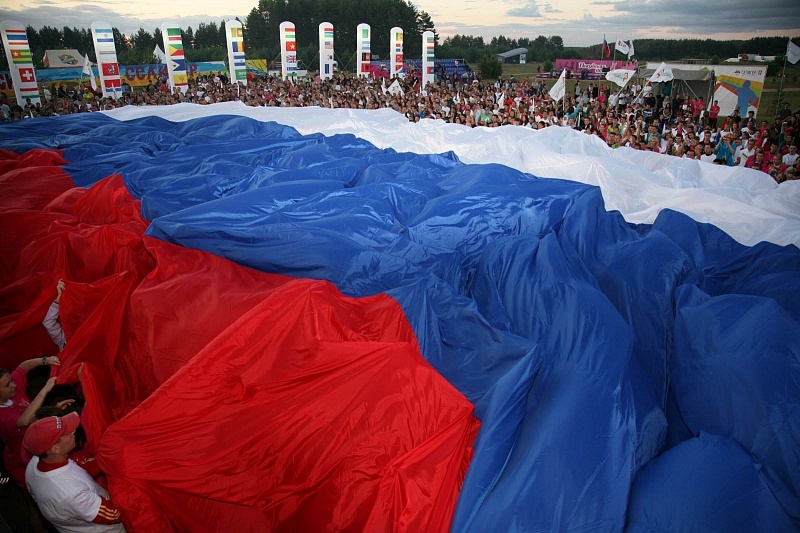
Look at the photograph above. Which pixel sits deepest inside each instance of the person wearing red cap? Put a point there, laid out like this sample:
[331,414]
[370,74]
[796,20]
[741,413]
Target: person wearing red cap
[65,493]
[17,411]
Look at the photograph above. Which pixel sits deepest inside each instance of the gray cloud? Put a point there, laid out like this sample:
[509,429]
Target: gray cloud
[531,9]
[82,15]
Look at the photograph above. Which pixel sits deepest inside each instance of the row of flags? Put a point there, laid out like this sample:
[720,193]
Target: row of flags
[619,76]
[624,47]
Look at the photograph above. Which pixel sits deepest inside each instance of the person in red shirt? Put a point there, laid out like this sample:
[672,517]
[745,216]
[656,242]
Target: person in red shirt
[17,412]
[713,114]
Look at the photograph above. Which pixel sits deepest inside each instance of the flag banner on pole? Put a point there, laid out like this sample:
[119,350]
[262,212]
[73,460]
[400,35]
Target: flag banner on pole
[355,309]
[16,47]
[621,46]
[158,53]
[559,88]
[237,67]
[176,66]
[630,50]
[288,50]
[662,74]
[792,52]
[620,76]
[606,49]
[326,50]
[363,39]
[396,45]
[87,69]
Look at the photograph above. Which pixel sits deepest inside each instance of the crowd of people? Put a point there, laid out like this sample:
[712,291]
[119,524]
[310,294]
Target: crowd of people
[636,116]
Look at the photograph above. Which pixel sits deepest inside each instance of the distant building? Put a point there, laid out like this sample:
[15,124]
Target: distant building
[521,53]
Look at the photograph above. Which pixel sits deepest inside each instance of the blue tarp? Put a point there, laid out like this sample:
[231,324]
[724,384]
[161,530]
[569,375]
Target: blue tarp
[640,376]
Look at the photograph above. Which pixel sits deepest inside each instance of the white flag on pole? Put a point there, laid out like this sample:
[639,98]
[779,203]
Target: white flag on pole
[162,57]
[395,89]
[662,73]
[559,88]
[792,52]
[630,50]
[620,76]
[87,69]
[621,46]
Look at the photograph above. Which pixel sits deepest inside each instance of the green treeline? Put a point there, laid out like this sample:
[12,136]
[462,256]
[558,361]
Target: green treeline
[207,41]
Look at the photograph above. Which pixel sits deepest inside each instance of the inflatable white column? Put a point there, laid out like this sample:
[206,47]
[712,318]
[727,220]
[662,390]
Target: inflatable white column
[325,50]
[396,51]
[107,64]
[428,58]
[363,36]
[288,50]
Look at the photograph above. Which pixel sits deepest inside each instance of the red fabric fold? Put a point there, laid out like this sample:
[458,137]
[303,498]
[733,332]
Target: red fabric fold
[220,398]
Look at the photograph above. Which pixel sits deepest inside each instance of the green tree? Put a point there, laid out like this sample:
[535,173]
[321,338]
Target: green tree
[490,67]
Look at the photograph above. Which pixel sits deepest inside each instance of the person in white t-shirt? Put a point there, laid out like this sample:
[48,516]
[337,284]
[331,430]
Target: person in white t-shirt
[65,493]
[789,159]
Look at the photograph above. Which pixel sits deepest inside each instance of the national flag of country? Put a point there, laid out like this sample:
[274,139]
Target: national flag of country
[606,49]
[288,33]
[16,38]
[110,69]
[364,67]
[365,33]
[174,35]
[327,33]
[111,83]
[104,35]
[398,36]
[614,341]
[291,46]
[27,91]
[176,50]
[398,58]
[236,32]
[21,56]
[179,65]
[238,46]
[27,74]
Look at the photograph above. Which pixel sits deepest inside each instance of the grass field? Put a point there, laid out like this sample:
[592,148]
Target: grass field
[769,98]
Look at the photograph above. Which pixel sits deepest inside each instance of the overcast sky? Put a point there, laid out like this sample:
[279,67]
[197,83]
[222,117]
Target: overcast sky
[578,22]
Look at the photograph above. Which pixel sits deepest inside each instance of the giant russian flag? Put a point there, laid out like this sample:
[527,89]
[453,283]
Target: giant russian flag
[289,316]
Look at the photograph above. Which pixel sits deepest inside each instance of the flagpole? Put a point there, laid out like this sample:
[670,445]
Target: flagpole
[780,90]
[615,49]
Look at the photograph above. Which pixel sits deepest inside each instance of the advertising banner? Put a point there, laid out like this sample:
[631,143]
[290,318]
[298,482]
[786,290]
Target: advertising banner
[592,66]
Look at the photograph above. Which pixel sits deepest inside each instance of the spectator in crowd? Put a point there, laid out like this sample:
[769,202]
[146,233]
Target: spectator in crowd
[65,493]
[17,411]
